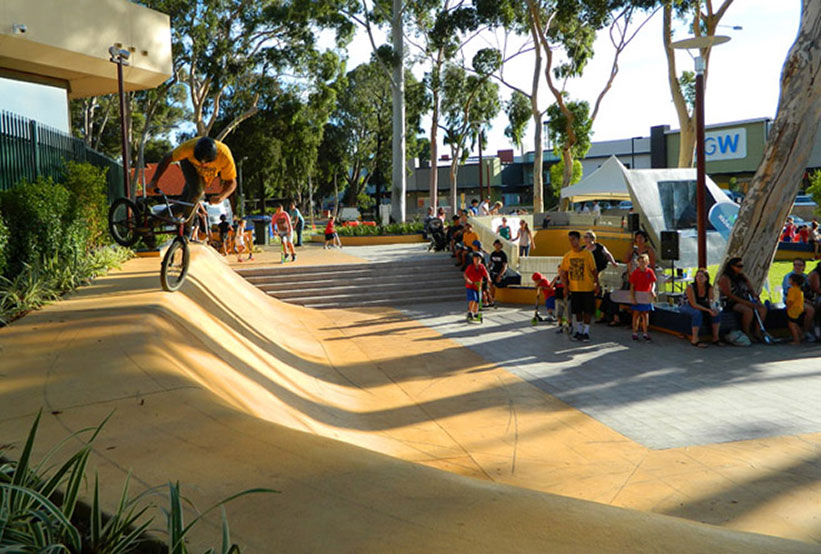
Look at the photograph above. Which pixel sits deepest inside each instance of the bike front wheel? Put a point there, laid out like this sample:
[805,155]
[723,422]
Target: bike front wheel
[122,222]
[175,265]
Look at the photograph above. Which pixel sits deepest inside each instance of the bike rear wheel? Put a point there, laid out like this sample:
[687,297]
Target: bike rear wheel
[175,265]
[122,222]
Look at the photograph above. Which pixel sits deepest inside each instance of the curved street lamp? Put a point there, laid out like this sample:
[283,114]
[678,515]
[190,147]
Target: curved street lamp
[701,181]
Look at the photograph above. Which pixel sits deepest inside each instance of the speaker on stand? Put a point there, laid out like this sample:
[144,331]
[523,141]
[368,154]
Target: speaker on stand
[632,222]
[670,251]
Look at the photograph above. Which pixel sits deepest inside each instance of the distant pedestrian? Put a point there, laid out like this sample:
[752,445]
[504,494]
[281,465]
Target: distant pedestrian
[298,223]
[503,230]
[224,227]
[331,236]
[241,244]
[281,222]
[642,293]
[796,315]
[578,271]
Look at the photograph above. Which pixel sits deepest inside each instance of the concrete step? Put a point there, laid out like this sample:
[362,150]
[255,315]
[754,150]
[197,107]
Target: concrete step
[362,280]
[360,298]
[388,290]
[348,269]
[319,303]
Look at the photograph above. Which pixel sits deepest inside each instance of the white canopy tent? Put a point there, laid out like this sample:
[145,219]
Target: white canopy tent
[606,183]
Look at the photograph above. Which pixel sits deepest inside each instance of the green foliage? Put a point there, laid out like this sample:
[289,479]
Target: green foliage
[814,189]
[687,83]
[89,201]
[37,215]
[407,228]
[364,201]
[519,114]
[560,126]
[4,242]
[38,506]
[557,174]
[39,283]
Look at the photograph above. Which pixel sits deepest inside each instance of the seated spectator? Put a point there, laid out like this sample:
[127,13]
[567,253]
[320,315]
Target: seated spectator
[454,234]
[814,238]
[802,234]
[812,293]
[484,207]
[798,266]
[440,213]
[503,230]
[738,296]
[497,208]
[467,246]
[426,222]
[474,207]
[699,306]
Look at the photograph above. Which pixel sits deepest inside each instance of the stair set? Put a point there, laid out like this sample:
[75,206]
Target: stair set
[434,279]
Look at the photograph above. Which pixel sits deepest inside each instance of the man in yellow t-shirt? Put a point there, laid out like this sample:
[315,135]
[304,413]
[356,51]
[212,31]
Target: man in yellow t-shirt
[578,273]
[201,160]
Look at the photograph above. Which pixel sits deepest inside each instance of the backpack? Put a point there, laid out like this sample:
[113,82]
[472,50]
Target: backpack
[738,338]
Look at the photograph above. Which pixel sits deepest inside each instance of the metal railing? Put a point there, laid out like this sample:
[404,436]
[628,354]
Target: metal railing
[29,150]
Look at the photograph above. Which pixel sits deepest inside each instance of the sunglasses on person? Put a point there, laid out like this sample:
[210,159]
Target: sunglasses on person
[739,266]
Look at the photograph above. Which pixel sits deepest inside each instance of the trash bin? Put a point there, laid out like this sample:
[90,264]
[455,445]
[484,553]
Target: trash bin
[261,224]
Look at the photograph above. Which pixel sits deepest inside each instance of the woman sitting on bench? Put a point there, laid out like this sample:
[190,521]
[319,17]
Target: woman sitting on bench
[738,296]
[700,306]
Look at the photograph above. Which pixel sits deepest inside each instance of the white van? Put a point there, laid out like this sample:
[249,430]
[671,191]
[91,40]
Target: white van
[216,210]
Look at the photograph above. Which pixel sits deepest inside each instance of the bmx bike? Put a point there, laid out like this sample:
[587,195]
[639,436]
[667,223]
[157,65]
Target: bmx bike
[130,220]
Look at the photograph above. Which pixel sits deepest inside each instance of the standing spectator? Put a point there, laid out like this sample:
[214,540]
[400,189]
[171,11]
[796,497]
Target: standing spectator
[281,223]
[525,238]
[596,209]
[503,230]
[739,296]
[440,213]
[601,255]
[299,223]
[814,296]
[331,236]
[641,245]
[497,208]
[796,315]
[474,273]
[814,238]
[642,280]
[578,271]
[224,227]
[788,233]
[798,266]
[498,268]
[426,222]
[484,207]
[241,244]
[802,234]
[699,306]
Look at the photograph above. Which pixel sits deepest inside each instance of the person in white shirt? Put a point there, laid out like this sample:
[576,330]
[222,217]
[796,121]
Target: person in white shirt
[596,208]
[484,207]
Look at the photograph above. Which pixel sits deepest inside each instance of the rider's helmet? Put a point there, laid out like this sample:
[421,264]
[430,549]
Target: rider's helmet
[205,150]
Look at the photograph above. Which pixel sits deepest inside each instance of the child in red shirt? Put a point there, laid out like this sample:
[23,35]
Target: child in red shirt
[544,288]
[474,273]
[642,280]
[331,236]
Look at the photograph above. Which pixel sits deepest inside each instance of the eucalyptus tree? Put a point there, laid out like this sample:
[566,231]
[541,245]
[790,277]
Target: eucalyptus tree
[570,26]
[439,30]
[702,20]
[469,101]
[776,182]
[222,46]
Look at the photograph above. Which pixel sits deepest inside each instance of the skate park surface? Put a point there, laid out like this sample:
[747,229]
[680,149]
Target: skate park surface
[387,430]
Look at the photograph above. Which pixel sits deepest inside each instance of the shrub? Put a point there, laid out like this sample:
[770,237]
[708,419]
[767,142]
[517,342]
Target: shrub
[89,201]
[814,189]
[4,243]
[36,214]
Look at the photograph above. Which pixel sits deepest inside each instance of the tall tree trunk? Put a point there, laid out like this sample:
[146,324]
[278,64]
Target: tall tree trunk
[398,86]
[454,192]
[433,180]
[685,118]
[538,157]
[778,178]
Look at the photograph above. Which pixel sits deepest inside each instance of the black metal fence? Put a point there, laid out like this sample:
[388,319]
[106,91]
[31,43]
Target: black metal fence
[29,150]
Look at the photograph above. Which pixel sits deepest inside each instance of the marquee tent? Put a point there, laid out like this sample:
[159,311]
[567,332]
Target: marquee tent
[606,183]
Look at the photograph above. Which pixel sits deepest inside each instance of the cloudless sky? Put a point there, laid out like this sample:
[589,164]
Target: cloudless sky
[743,80]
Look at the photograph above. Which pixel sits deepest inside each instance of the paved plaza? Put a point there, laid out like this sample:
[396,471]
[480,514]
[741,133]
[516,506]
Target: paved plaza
[663,394]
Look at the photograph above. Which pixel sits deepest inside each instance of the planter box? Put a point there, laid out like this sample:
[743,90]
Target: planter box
[370,240]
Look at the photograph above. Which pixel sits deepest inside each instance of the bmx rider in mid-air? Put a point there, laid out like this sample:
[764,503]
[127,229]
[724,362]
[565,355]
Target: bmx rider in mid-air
[201,159]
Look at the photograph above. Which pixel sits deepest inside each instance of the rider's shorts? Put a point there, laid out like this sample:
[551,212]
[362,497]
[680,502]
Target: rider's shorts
[284,237]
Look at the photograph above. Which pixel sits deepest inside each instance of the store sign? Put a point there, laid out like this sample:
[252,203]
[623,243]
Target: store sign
[727,144]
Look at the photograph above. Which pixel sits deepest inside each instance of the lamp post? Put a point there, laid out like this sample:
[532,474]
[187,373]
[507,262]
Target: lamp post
[241,195]
[701,180]
[120,57]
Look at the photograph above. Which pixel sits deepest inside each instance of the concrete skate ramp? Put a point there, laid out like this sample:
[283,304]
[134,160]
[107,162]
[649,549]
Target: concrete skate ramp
[223,388]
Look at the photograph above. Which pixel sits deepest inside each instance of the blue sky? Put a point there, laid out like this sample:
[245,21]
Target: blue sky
[43,103]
